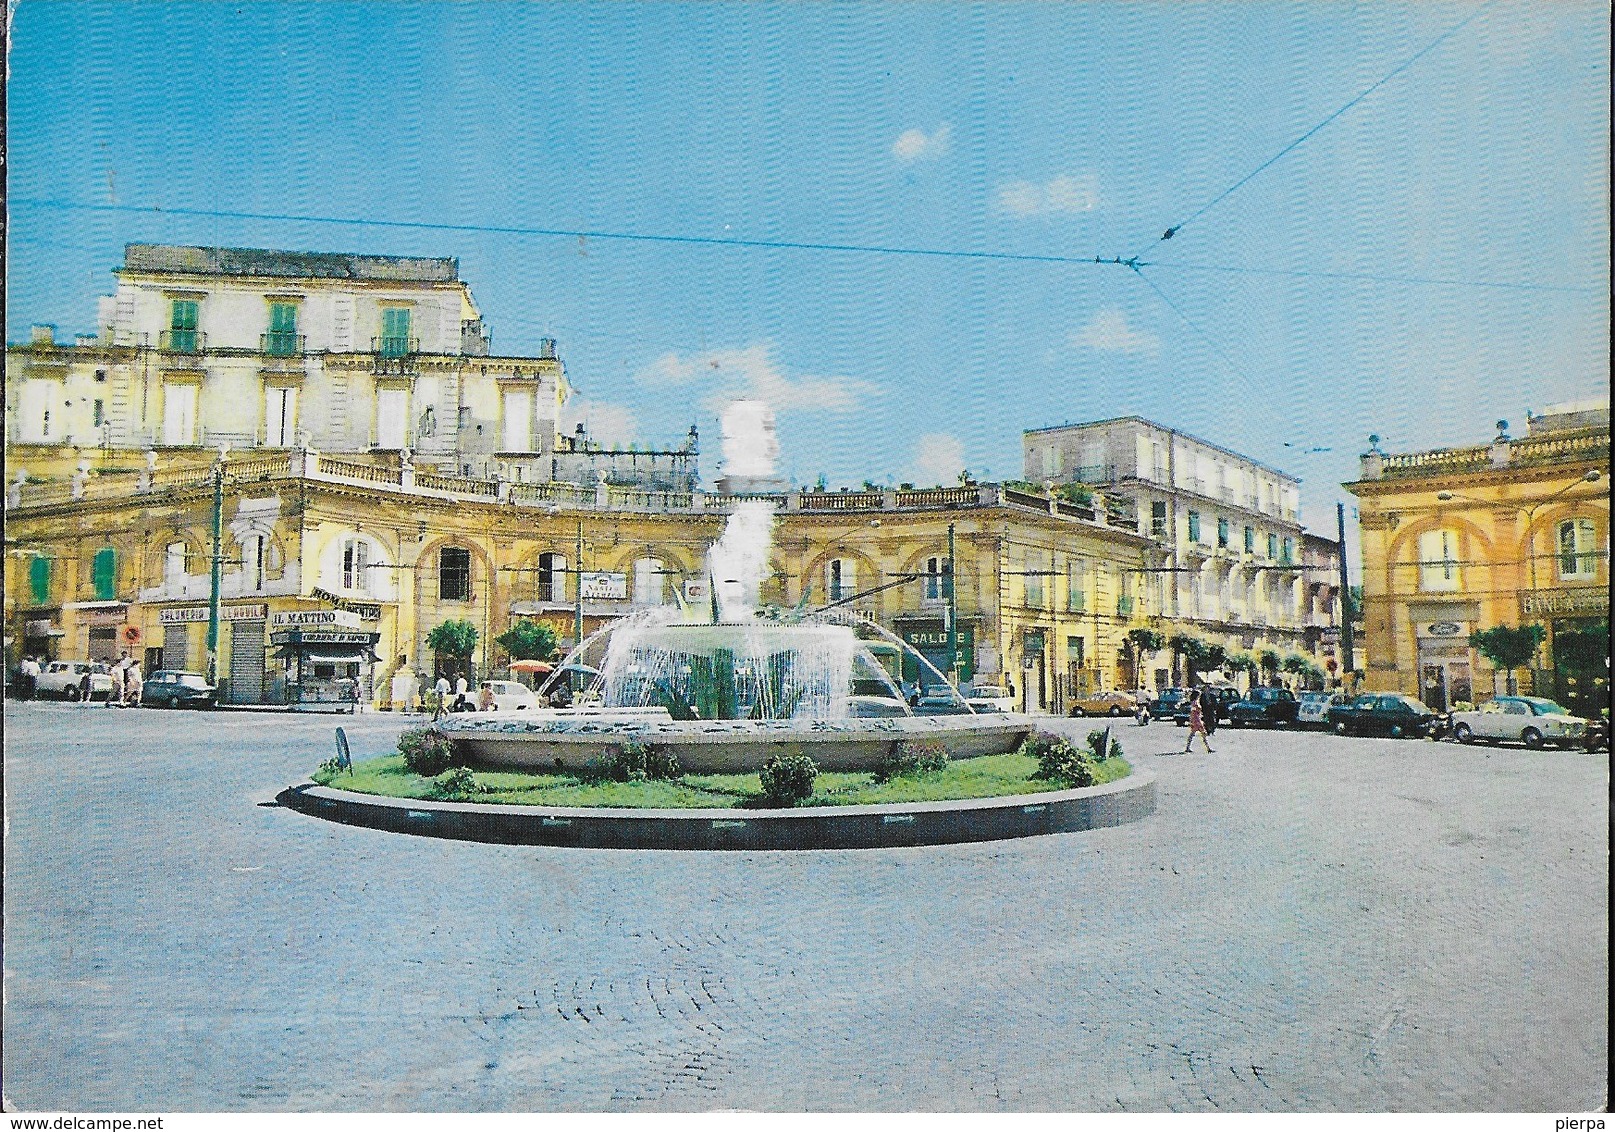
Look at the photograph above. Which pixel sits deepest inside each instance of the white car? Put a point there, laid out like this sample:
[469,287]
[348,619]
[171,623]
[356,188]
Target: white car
[1522,719]
[65,678]
[1314,708]
[986,698]
[511,695]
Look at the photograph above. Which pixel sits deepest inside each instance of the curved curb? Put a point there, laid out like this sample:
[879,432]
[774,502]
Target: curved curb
[820,827]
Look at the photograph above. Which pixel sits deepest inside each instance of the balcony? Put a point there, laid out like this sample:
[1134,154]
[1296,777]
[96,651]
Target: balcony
[182,342]
[280,344]
[393,355]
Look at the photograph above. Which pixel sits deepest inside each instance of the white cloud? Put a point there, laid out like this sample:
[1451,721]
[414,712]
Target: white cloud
[605,421]
[939,457]
[911,145]
[752,372]
[1063,194]
[1109,331]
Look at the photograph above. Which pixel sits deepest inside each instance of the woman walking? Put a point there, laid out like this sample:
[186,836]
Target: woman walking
[1197,722]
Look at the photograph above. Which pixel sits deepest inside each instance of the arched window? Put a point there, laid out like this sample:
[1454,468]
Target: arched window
[649,582]
[174,563]
[104,573]
[1578,552]
[1438,561]
[840,578]
[551,577]
[356,565]
[454,574]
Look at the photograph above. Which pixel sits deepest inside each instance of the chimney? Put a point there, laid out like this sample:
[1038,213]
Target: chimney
[44,334]
[546,349]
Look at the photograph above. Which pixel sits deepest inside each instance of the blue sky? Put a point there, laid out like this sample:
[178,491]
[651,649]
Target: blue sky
[1055,129]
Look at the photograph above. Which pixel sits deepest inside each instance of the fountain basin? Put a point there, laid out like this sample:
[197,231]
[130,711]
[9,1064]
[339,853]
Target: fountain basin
[722,746]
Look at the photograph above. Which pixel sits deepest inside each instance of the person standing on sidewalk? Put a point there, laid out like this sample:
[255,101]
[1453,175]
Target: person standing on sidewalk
[115,697]
[1197,722]
[85,684]
[132,684]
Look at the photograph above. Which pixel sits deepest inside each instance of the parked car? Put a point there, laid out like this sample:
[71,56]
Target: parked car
[984,697]
[940,701]
[876,707]
[1265,707]
[1166,702]
[1382,713]
[65,679]
[1313,708]
[1215,697]
[511,695]
[178,689]
[1114,702]
[1526,719]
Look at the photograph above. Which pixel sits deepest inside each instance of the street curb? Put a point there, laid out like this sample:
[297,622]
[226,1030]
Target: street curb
[824,827]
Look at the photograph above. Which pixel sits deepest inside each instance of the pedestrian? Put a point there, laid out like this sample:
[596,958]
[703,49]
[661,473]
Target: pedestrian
[485,700]
[440,697]
[115,697]
[561,697]
[30,677]
[132,684]
[1141,707]
[1197,723]
[85,685]
[1209,708]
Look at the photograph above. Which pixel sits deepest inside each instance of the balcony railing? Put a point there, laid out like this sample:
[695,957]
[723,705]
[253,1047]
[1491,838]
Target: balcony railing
[182,342]
[394,346]
[280,344]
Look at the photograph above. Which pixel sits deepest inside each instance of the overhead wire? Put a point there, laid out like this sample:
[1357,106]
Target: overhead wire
[1254,173]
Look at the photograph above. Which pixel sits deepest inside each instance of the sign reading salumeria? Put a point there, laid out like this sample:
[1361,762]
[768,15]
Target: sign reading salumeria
[312,619]
[601,585]
[191,614]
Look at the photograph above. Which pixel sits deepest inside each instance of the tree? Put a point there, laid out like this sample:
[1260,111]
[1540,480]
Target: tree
[1237,662]
[1508,648]
[1268,661]
[1190,652]
[1216,657]
[527,640]
[1141,644]
[456,640]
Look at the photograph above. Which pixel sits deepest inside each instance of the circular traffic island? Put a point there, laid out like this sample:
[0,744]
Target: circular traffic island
[634,799]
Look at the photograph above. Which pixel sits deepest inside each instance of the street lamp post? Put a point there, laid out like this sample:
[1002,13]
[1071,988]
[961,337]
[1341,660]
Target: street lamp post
[217,565]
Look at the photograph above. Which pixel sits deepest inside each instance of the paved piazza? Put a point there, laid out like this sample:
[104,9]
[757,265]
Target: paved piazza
[1307,923]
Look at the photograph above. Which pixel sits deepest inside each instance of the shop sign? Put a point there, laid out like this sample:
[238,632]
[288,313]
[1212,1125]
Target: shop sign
[312,618]
[1330,636]
[105,616]
[36,628]
[938,638]
[367,611]
[322,637]
[1443,629]
[192,614]
[695,590]
[601,585]
[1592,600]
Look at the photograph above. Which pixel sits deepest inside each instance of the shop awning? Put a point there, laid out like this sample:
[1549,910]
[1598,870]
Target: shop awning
[362,657]
[322,652]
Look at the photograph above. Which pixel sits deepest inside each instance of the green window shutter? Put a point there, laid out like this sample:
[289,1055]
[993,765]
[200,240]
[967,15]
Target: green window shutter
[183,315]
[283,318]
[39,579]
[105,573]
[1250,541]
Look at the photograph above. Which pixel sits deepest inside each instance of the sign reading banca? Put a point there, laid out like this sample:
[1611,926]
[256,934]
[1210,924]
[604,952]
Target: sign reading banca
[313,619]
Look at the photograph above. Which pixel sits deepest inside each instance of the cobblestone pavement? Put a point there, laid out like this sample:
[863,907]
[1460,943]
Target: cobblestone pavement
[1307,923]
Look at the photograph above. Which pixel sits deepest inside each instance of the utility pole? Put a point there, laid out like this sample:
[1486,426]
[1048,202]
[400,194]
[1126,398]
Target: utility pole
[1345,597]
[577,611]
[953,613]
[213,589]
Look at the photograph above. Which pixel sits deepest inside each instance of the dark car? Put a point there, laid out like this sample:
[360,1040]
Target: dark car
[1167,700]
[1265,707]
[178,689]
[1220,697]
[1382,713]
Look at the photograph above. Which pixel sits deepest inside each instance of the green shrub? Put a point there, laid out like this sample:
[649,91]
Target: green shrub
[1096,745]
[788,779]
[328,771]
[457,782]
[1059,761]
[426,750]
[634,762]
[912,758]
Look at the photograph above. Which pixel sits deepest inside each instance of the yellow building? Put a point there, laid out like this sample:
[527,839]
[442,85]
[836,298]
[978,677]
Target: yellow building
[333,570]
[1511,533]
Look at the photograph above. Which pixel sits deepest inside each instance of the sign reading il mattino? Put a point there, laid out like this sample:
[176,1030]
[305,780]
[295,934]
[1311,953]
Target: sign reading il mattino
[313,619]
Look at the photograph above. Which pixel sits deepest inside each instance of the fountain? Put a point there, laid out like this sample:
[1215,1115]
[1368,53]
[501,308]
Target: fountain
[727,686]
